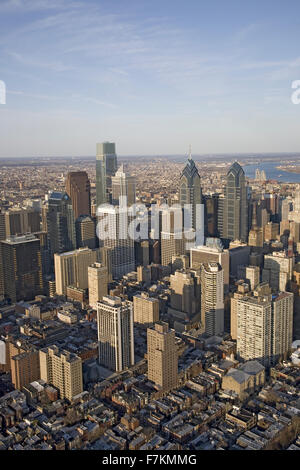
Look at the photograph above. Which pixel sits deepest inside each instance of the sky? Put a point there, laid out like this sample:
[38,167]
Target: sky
[152,76]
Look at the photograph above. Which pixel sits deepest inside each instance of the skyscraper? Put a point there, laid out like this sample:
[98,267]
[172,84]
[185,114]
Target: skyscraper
[78,189]
[106,167]
[256,233]
[85,232]
[98,281]
[60,223]
[162,356]
[145,309]
[112,231]
[22,273]
[123,185]
[190,188]
[71,268]
[212,298]
[115,333]
[254,322]
[235,205]
[185,292]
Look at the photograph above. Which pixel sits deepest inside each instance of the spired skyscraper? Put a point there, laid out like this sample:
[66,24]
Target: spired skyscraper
[106,167]
[235,205]
[190,188]
[123,185]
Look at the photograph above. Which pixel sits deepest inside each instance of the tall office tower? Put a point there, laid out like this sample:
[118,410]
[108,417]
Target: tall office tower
[79,190]
[144,274]
[212,253]
[235,210]
[185,293]
[123,185]
[85,232]
[190,189]
[115,333]
[162,356]
[142,252]
[212,298]
[22,267]
[112,231]
[25,368]
[251,274]
[60,223]
[211,215]
[97,281]
[145,309]
[105,259]
[256,233]
[71,268]
[63,370]
[286,207]
[282,327]
[171,246]
[278,270]
[106,167]
[271,230]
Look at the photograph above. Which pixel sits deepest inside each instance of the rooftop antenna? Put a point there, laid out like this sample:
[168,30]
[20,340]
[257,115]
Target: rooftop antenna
[190,152]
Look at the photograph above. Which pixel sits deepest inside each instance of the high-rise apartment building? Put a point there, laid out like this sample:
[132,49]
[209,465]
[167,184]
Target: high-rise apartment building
[22,267]
[235,207]
[115,333]
[97,281]
[112,231]
[264,325]
[60,223]
[25,368]
[63,370]
[162,356]
[78,189]
[212,298]
[123,186]
[106,167]
[145,309]
[282,325]
[71,268]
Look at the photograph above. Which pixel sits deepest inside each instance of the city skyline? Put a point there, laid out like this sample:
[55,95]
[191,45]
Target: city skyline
[154,76]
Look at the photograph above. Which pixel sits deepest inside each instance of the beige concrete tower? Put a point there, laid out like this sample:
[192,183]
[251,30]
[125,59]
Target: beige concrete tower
[162,356]
[146,309]
[98,280]
[63,370]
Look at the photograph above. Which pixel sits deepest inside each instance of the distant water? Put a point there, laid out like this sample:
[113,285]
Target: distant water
[272,173]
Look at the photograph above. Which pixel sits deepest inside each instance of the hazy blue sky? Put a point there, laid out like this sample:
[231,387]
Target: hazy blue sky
[153,76]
